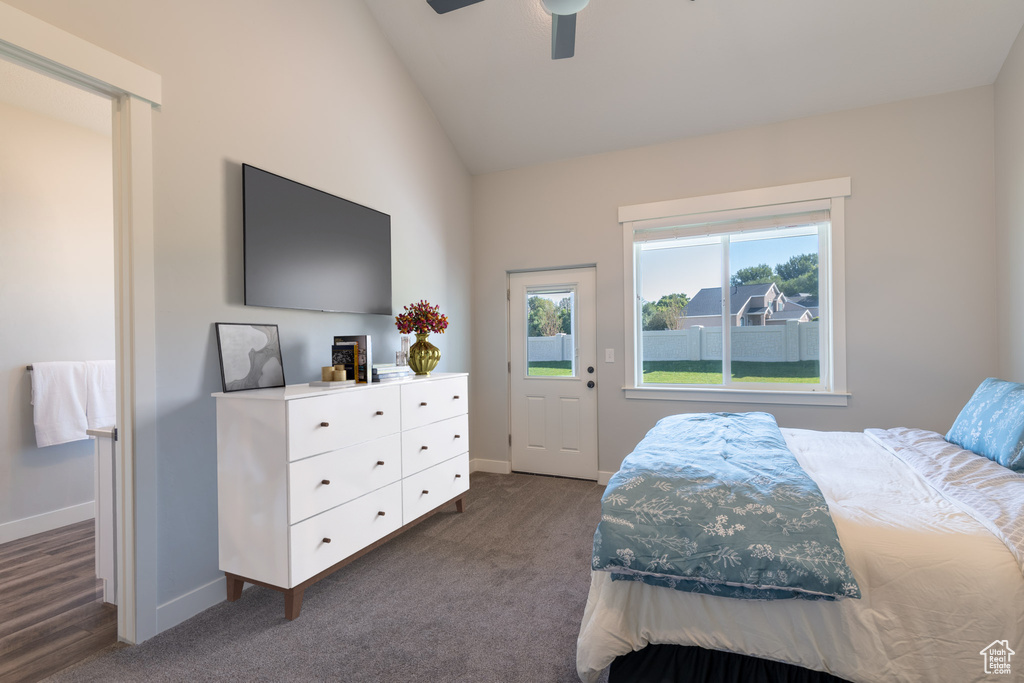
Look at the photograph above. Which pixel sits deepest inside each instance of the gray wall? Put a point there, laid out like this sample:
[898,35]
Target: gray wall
[920,221]
[56,301]
[1009,115]
[312,92]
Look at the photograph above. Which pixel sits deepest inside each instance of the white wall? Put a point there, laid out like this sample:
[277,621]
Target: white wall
[312,92]
[1009,116]
[920,222]
[56,301]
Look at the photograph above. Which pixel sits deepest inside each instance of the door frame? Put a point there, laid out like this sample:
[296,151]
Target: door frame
[133,91]
[508,357]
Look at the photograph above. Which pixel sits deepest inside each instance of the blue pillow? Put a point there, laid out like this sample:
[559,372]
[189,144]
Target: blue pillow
[992,423]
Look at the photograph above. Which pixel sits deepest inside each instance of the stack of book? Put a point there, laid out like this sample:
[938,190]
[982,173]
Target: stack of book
[357,355]
[390,372]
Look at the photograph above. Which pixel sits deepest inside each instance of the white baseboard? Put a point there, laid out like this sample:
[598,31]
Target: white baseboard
[495,466]
[603,477]
[186,606]
[48,521]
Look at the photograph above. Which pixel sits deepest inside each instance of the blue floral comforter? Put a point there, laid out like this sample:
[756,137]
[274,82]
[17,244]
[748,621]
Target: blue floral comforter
[716,503]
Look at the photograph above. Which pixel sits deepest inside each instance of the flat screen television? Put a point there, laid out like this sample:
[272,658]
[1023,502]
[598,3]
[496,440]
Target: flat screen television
[311,250]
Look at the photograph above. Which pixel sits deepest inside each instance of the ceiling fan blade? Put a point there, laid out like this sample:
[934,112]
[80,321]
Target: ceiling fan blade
[563,36]
[443,6]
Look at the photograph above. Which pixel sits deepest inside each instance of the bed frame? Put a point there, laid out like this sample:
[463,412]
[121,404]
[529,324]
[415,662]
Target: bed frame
[661,663]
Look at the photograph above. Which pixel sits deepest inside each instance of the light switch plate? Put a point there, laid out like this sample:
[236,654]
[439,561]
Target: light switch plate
[609,355]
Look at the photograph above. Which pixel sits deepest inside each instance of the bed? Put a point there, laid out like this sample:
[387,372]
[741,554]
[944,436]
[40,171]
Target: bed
[934,535]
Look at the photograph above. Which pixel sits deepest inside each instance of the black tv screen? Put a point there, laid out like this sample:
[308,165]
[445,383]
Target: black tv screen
[308,249]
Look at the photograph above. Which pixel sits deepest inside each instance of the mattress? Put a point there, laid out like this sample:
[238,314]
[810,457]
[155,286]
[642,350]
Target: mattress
[938,587]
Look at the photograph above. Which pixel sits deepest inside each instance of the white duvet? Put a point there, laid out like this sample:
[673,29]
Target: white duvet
[938,587]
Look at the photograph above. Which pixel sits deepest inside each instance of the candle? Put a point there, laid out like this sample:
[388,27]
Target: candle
[327,373]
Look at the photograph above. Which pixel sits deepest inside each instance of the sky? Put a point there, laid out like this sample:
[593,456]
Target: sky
[689,269]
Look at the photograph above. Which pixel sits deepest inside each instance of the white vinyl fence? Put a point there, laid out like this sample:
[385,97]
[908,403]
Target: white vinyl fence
[791,342]
[558,347]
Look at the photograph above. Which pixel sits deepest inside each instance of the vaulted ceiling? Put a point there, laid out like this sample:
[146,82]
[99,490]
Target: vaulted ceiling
[647,71]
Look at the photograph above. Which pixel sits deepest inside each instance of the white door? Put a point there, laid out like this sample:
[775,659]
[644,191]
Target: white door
[552,379]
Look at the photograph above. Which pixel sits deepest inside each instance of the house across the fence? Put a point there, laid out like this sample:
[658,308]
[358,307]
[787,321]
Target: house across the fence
[761,304]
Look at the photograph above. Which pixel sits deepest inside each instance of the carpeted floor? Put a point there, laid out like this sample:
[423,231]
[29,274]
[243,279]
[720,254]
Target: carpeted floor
[494,594]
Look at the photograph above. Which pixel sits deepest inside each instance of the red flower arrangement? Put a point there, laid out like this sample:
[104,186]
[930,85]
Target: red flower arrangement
[421,318]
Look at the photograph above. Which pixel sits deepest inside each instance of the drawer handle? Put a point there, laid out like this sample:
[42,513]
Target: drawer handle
[325,424]
[423,403]
[380,513]
[327,540]
[423,448]
[458,476]
[458,436]
[380,412]
[425,492]
[326,482]
[380,462]
[455,397]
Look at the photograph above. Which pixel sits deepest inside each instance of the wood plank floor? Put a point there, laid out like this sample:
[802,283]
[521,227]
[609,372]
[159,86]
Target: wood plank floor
[52,613]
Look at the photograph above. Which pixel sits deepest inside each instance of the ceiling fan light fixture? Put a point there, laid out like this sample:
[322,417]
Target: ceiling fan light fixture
[563,7]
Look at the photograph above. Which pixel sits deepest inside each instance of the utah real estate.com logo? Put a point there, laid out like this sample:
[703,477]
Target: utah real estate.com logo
[997,657]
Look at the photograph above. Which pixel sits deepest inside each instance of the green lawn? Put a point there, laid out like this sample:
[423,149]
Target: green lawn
[710,372]
[550,368]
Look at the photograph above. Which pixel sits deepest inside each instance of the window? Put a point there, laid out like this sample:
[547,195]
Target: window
[738,297]
[550,317]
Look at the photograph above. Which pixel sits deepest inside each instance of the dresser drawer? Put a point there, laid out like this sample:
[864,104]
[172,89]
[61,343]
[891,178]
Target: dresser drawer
[326,423]
[427,401]
[424,491]
[327,480]
[350,528]
[424,447]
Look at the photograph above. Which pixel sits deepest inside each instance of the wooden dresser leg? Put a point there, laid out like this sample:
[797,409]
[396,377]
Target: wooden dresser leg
[293,602]
[458,505]
[235,586]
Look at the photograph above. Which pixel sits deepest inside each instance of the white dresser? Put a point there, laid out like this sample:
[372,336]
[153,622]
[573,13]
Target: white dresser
[310,478]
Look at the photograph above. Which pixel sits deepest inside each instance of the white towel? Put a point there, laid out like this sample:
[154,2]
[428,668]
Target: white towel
[100,393]
[58,402]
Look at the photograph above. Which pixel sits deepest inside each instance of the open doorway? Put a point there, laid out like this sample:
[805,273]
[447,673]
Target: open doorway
[57,300]
[134,92]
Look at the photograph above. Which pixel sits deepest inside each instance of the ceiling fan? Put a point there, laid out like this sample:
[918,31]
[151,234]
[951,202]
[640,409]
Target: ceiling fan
[563,21]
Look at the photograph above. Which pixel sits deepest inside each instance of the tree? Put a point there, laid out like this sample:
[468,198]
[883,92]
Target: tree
[799,265]
[541,317]
[796,276]
[647,311]
[678,299]
[665,314]
[565,315]
[752,275]
[546,319]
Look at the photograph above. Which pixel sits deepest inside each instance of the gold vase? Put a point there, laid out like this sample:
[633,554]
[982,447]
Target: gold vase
[423,356]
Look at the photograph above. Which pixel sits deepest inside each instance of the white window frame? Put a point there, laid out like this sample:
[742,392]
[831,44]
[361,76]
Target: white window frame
[760,202]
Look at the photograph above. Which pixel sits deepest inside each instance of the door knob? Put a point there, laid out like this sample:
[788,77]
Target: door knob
[590,369]
[590,384]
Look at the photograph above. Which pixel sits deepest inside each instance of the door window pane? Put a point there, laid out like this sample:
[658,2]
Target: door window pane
[550,342]
[681,311]
[773,297]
